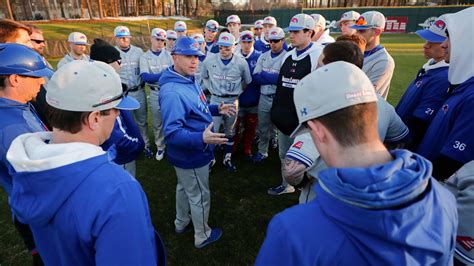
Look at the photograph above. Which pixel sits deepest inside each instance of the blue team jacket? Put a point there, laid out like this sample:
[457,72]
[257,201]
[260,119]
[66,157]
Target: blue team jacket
[451,130]
[16,119]
[89,212]
[125,142]
[250,96]
[185,117]
[424,96]
[390,214]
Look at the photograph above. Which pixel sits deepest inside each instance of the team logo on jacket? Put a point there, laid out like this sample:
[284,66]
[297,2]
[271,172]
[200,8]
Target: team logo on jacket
[202,103]
[418,83]
[445,108]
[298,145]
[466,242]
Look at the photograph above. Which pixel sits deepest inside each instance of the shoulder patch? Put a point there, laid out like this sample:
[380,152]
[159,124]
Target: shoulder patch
[298,145]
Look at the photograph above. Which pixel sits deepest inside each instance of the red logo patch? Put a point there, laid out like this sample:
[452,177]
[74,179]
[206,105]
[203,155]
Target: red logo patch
[440,24]
[466,242]
[294,20]
[225,38]
[298,145]
[274,33]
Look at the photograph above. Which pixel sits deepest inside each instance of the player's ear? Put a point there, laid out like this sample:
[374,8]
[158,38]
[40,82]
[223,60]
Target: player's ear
[378,32]
[93,120]
[318,131]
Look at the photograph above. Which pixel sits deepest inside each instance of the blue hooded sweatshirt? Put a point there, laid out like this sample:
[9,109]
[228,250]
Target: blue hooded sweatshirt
[16,119]
[389,214]
[125,141]
[185,117]
[82,208]
[251,95]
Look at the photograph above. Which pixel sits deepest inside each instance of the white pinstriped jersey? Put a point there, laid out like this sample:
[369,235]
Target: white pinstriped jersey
[130,67]
[271,65]
[225,79]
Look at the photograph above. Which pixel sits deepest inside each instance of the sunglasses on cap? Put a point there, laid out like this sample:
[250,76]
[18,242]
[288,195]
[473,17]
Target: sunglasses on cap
[38,41]
[275,41]
[361,21]
[113,99]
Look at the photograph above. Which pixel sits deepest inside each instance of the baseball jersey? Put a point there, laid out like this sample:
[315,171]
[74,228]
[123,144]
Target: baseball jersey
[296,65]
[390,127]
[152,64]
[68,58]
[450,132]
[379,66]
[271,65]
[426,93]
[130,66]
[225,80]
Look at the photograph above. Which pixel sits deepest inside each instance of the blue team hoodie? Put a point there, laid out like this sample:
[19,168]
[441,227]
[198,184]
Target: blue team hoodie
[82,209]
[125,140]
[251,95]
[185,117]
[16,119]
[390,214]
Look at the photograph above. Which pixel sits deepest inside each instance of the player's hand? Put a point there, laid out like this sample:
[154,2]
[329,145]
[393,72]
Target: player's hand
[210,137]
[227,109]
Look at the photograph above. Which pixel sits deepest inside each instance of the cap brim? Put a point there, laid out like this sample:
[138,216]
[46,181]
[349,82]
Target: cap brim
[301,129]
[45,72]
[180,29]
[123,35]
[224,44]
[81,43]
[430,36]
[128,103]
[364,27]
[292,28]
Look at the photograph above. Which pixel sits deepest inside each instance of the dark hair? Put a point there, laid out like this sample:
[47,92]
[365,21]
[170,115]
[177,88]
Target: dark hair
[312,33]
[9,30]
[350,125]
[355,38]
[343,51]
[3,78]
[69,121]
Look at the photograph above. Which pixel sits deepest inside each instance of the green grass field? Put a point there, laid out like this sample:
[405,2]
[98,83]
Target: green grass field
[240,204]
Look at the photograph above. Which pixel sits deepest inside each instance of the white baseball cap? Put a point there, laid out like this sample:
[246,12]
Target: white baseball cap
[276,33]
[436,33]
[159,34]
[370,20]
[180,26]
[85,86]
[258,24]
[171,34]
[300,22]
[212,25]
[270,20]
[246,36]
[349,15]
[330,88]
[198,37]
[232,19]
[226,39]
[319,20]
[77,38]
[122,31]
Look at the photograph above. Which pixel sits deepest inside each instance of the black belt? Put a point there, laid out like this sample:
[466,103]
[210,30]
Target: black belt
[225,95]
[154,88]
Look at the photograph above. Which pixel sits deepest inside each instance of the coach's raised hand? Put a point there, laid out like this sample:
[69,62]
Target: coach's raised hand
[210,137]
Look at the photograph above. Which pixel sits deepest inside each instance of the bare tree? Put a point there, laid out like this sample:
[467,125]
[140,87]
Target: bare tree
[9,8]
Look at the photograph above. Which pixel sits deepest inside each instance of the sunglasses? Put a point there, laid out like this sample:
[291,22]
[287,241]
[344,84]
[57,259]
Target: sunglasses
[275,41]
[38,41]
[113,99]
[225,48]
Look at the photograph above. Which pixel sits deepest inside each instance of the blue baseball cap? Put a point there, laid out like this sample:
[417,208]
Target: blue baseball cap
[436,33]
[186,46]
[22,60]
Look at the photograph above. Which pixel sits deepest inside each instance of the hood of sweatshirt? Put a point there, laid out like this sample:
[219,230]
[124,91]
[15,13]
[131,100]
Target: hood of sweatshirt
[45,175]
[403,204]
[461,36]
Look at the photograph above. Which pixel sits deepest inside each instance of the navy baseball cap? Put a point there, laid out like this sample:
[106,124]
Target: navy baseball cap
[436,33]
